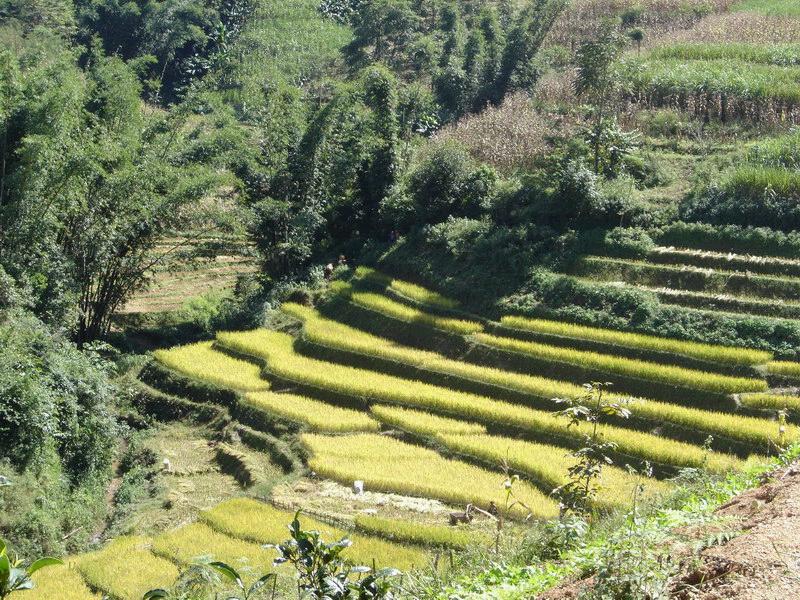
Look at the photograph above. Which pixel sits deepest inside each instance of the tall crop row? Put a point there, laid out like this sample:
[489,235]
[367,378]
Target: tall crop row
[277,351]
[669,374]
[707,352]
[200,361]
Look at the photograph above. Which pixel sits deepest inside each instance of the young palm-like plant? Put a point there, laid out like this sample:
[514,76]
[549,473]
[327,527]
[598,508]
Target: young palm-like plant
[578,494]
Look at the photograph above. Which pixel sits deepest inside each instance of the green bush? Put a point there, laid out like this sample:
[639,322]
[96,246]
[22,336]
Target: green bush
[53,396]
[727,238]
[631,242]
[566,298]
[749,196]
[445,182]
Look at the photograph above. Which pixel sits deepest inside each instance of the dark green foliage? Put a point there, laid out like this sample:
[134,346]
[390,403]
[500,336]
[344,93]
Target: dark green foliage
[445,183]
[472,54]
[90,183]
[323,574]
[52,397]
[630,242]
[726,238]
[563,297]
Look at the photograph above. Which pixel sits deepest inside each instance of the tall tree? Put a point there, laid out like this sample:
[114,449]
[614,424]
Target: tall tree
[91,184]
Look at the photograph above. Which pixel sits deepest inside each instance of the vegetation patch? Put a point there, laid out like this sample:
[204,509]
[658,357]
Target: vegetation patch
[669,374]
[687,277]
[423,423]
[62,582]
[771,401]
[442,536]
[262,523]
[785,368]
[391,308]
[414,292]
[199,543]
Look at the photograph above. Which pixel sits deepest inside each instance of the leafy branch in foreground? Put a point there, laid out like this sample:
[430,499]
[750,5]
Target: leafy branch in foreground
[323,574]
[15,577]
[578,494]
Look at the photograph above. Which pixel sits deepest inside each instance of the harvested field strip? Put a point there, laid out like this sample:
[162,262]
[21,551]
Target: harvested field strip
[422,534]
[387,464]
[668,374]
[61,582]
[785,368]
[315,415]
[706,352]
[689,278]
[411,291]
[771,401]
[707,259]
[198,542]
[396,310]
[261,523]
[422,423]
[751,431]
[200,361]
[277,352]
[546,465]
[126,569]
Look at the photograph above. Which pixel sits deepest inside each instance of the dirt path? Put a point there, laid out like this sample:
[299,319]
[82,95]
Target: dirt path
[763,563]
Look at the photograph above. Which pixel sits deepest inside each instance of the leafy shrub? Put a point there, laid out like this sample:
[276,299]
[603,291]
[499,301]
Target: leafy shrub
[749,196]
[727,238]
[53,396]
[445,182]
[632,242]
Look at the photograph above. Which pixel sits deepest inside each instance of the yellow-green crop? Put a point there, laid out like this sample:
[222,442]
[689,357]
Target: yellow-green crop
[396,310]
[547,465]
[770,401]
[404,288]
[668,374]
[201,361]
[126,569]
[276,349]
[423,534]
[316,415]
[784,367]
[422,423]
[61,582]
[389,465]
[336,335]
[707,352]
[261,523]
[198,542]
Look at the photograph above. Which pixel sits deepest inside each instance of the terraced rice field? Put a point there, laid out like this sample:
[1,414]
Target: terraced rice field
[706,280]
[450,425]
